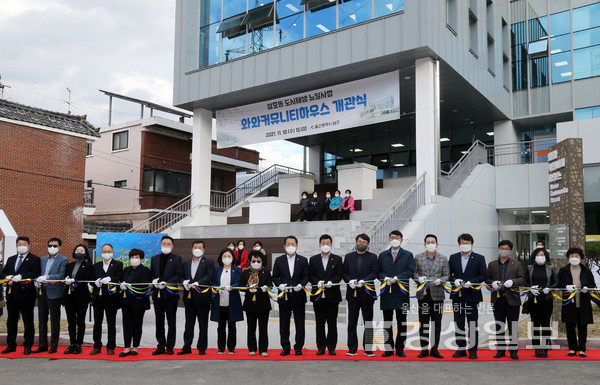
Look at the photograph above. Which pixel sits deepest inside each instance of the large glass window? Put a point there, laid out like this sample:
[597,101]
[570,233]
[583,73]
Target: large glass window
[320,20]
[386,7]
[586,38]
[290,29]
[209,45]
[210,12]
[120,140]
[234,47]
[586,17]
[587,113]
[560,44]
[355,11]
[561,67]
[560,23]
[233,7]
[164,181]
[586,62]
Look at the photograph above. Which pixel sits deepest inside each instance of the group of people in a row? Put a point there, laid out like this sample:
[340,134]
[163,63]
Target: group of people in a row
[55,281]
[331,207]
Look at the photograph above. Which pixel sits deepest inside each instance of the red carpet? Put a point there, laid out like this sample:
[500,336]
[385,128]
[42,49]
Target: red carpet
[309,355]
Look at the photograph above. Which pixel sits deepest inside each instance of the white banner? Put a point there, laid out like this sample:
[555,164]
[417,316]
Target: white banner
[358,103]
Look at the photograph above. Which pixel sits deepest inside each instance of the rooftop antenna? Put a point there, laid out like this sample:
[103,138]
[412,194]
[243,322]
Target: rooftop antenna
[2,86]
[69,102]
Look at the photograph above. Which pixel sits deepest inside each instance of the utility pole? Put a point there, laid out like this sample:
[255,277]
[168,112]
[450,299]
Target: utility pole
[2,86]
[69,101]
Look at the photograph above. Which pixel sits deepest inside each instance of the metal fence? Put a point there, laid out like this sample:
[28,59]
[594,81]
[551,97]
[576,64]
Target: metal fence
[450,181]
[166,218]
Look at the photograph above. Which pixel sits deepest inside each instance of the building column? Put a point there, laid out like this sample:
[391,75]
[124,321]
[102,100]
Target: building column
[201,166]
[314,162]
[427,124]
[507,149]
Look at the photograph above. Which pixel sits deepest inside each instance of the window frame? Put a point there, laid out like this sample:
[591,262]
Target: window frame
[112,146]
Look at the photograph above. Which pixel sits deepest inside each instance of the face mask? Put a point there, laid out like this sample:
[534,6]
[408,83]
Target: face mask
[256,265]
[325,249]
[166,250]
[361,248]
[430,247]
[107,256]
[574,261]
[257,248]
[337,195]
[304,196]
[538,247]
[290,250]
[135,262]
[328,195]
[503,253]
[540,260]
[231,248]
[465,248]
[52,250]
[241,247]
[347,195]
[197,253]
[315,195]
[395,243]
[22,249]
[78,255]
[227,261]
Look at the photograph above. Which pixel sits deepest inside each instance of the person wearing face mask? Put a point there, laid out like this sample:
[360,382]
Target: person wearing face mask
[291,273]
[257,303]
[540,244]
[395,264]
[227,304]
[53,267]
[431,266]
[324,209]
[134,305]
[360,266]
[106,271]
[241,255]
[334,206]
[347,205]
[540,277]
[20,297]
[577,313]
[509,273]
[258,246]
[231,246]
[326,269]
[77,296]
[466,267]
[166,268]
[197,271]
[303,209]
[314,206]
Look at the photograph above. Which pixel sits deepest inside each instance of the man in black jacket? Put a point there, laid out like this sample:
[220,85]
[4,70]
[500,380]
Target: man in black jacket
[326,270]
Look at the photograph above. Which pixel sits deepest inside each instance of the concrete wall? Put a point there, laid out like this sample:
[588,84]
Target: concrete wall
[522,186]
[588,130]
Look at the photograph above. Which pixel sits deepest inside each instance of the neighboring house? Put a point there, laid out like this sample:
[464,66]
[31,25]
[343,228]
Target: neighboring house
[42,173]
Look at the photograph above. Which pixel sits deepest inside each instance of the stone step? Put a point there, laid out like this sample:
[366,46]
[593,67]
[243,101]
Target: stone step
[399,182]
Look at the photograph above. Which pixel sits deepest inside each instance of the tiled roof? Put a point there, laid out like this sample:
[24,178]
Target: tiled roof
[66,122]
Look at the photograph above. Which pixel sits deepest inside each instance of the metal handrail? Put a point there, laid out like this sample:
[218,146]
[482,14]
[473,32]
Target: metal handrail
[165,218]
[398,215]
[450,181]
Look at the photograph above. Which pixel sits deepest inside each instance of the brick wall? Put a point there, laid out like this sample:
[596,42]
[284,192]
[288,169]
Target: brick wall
[39,206]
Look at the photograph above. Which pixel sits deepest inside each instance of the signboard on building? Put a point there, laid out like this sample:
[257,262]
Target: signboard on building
[358,103]
[559,240]
[124,242]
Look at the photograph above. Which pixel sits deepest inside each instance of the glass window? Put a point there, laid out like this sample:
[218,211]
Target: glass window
[591,183]
[539,71]
[148,183]
[561,67]
[288,7]
[513,217]
[586,62]
[355,11]
[160,181]
[560,44]
[451,14]
[172,183]
[234,47]
[210,11]
[120,140]
[540,217]
[320,20]
[233,7]
[386,7]
[586,17]
[537,47]
[560,23]
[209,45]
[587,38]
[88,149]
[587,113]
[290,29]
[538,28]
[120,183]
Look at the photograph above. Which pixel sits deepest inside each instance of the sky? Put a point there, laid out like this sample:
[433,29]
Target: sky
[122,46]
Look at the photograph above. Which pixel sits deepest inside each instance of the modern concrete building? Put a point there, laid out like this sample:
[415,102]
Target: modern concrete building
[485,88]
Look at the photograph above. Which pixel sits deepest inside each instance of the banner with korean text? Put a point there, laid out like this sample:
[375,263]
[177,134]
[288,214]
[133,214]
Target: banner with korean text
[358,103]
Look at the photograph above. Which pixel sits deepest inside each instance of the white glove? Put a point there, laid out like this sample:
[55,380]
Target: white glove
[329,284]
[264,289]
[496,284]
[105,280]
[195,284]
[98,283]
[534,291]
[394,279]
[228,288]
[467,284]
[387,280]
[437,282]
[352,284]
[457,282]
[221,291]
[546,290]
[252,290]
[584,289]
[9,277]
[17,278]
[321,283]
[37,284]
[570,287]
[155,282]
[69,281]
[123,286]
[508,283]
[186,284]
[162,285]
[298,287]
[281,287]
[421,279]
[360,283]
[41,278]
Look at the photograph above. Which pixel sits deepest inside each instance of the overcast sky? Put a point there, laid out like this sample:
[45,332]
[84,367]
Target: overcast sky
[122,46]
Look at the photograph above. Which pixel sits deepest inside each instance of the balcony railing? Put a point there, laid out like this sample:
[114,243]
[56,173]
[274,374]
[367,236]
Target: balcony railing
[88,196]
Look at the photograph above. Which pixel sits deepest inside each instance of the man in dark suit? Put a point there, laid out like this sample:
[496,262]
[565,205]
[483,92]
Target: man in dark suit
[326,269]
[105,299]
[395,264]
[360,266]
[20,297]
[53,267]
[166,268]
[196,271]
[290,270]
[466,268]
[507,272]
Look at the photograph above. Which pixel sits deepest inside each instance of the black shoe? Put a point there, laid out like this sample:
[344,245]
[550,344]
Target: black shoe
[41,349]
[538,353]
[77,349]
[27,351]
[387,354]
[158,351]
[110,352]
[423,354]
[571,353]
[544,354]
[69,350]
[284,353]
[320,352]
[369,354]
[170,352]
[514,355]
[95,351]
[298,352]
[134,353]
[9,349]
[332,353]
[184,351]
[52,350]
[459,354]
[436,354]
[582,354]
[124,354]
[473,356]
[400,353]
[201,352]
[499,354]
